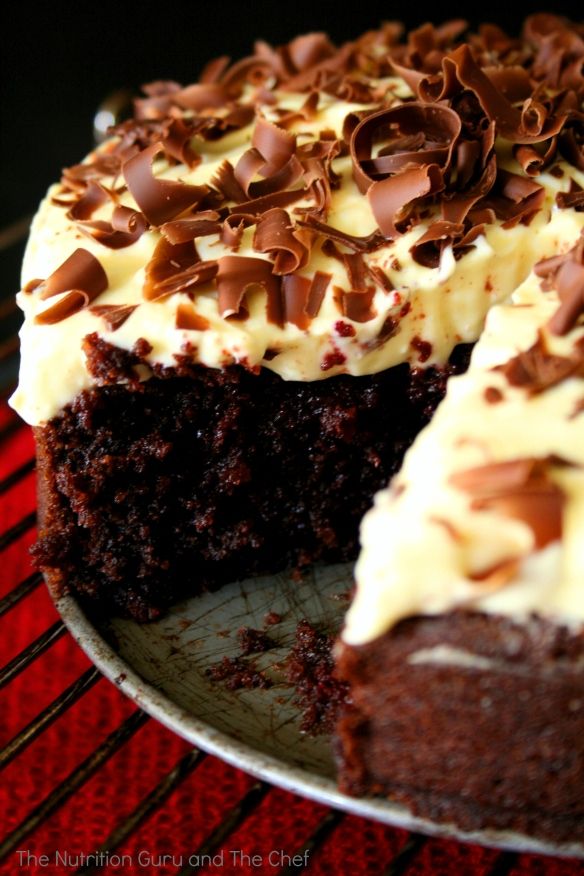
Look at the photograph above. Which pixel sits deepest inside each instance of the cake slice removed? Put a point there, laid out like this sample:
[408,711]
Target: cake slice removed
[464,645]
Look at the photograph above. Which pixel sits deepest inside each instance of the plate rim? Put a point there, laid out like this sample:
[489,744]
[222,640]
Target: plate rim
[267,767]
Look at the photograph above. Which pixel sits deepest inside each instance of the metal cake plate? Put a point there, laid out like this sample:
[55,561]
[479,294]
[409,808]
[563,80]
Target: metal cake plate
[163,667]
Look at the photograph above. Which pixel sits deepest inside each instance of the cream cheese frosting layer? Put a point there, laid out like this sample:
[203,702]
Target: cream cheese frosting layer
[428,547]
[411,308]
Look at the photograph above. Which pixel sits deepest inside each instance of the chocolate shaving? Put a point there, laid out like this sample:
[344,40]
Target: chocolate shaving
[518,488]
[357,244]
[114,315]
[357,305]
[531,160]
[392,199]
[277,199]
[232,230]
[318,287]
[95,196]
[566,274]
[274,235]
[159,200]
[429,247]
[295,294]
[202,96]
[198,225]
[272,156]
[572,199]
[224,179]
[514,198]
[235,275]
[176,142]
[175,268]
[187,318]
[536,369]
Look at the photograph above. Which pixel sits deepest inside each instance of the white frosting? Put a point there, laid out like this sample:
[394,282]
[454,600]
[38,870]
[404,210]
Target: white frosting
[422,543]
[447,305]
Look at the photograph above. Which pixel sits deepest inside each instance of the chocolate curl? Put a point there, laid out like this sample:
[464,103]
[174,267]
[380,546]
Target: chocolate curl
[393,198]
[248,166]
[187,318]
[560,49]
[114,315]
[80,271]
[456,208]
[94,196]
[306,113]
[512,81]
[78,177]
[528,126]
[520,489]
[308,78]
[159,200]
[175,268]
[125,228]
[274,144]
[414,134]
[177,143]
[158,101]
[428,248]
[274,235]
[514,198]
[214,70]
[199,225]
[202,96]
[236,274]
[310,49]
[82,276]
[254,70]
[532,161]
[67,306]
[224,179]
[272,157]
[571,143]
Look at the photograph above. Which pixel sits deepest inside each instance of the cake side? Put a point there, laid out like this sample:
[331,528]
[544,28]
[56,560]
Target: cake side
[472,719]
[199,477]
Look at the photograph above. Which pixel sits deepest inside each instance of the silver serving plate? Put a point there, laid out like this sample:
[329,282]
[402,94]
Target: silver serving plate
[163,667]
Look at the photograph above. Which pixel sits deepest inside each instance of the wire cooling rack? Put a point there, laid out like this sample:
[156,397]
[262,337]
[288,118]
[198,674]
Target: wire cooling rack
[318,850]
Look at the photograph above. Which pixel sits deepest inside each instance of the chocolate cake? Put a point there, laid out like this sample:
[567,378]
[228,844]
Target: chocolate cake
[243,308]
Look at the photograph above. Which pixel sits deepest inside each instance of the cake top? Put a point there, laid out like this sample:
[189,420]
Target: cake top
[311,209]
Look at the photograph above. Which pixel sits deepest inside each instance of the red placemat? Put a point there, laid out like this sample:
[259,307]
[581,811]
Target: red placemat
[168,840]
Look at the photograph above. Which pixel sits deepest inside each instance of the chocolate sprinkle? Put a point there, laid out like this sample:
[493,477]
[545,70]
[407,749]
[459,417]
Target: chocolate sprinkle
[114,315]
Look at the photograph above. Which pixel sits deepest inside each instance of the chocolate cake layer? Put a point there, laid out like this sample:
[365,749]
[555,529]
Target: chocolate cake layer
[196,477]
[470,718]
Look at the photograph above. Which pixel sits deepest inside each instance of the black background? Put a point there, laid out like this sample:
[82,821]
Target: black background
[59,60]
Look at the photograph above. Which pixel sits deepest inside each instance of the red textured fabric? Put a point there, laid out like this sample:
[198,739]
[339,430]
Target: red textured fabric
[162,843]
